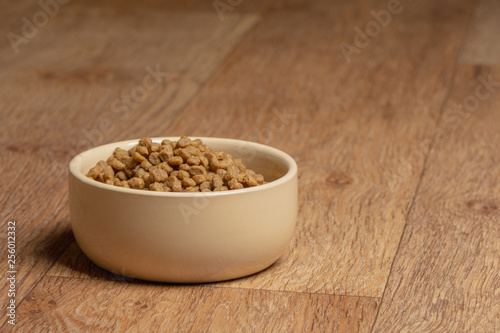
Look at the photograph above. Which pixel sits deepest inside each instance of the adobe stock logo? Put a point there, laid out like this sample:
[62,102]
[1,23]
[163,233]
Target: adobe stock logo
[30,28]
[372,29]
[222,7]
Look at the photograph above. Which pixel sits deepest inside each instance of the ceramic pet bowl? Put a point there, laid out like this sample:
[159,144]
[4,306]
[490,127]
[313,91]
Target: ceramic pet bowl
[186,237]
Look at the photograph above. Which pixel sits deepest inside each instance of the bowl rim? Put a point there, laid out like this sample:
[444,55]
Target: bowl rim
[290,163]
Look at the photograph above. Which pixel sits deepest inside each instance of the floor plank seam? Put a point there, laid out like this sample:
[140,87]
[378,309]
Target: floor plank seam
[300,292]
[431,147]
[230,52]
[42,277]
[213,286]
[204,83]
[401,238]
[34,285]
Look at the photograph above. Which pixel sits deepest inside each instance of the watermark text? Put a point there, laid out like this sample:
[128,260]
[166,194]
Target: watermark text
[11,271]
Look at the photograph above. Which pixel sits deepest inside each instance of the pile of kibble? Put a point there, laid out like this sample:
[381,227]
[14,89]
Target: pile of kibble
[174,166]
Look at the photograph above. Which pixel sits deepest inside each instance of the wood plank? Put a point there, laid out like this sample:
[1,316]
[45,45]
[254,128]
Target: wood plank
[74,263]
[54,83]
[482,45]
[446,276]
[55,101]
[42,224]
[76,305]
[13,13]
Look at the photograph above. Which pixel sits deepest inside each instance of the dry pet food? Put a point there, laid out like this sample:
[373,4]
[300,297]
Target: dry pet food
[174,166]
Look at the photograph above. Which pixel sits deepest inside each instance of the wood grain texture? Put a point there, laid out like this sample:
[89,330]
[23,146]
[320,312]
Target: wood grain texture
[446,276]
[83,81]
[483,44]
[65,305]
[272,72]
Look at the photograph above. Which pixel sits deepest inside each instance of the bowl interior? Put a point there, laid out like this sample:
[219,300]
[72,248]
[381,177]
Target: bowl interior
[272,163]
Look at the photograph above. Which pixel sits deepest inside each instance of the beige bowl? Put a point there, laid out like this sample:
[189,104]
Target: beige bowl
[186,237]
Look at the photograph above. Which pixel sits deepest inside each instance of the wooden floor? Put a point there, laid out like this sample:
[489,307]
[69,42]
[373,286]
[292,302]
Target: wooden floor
[395,127]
